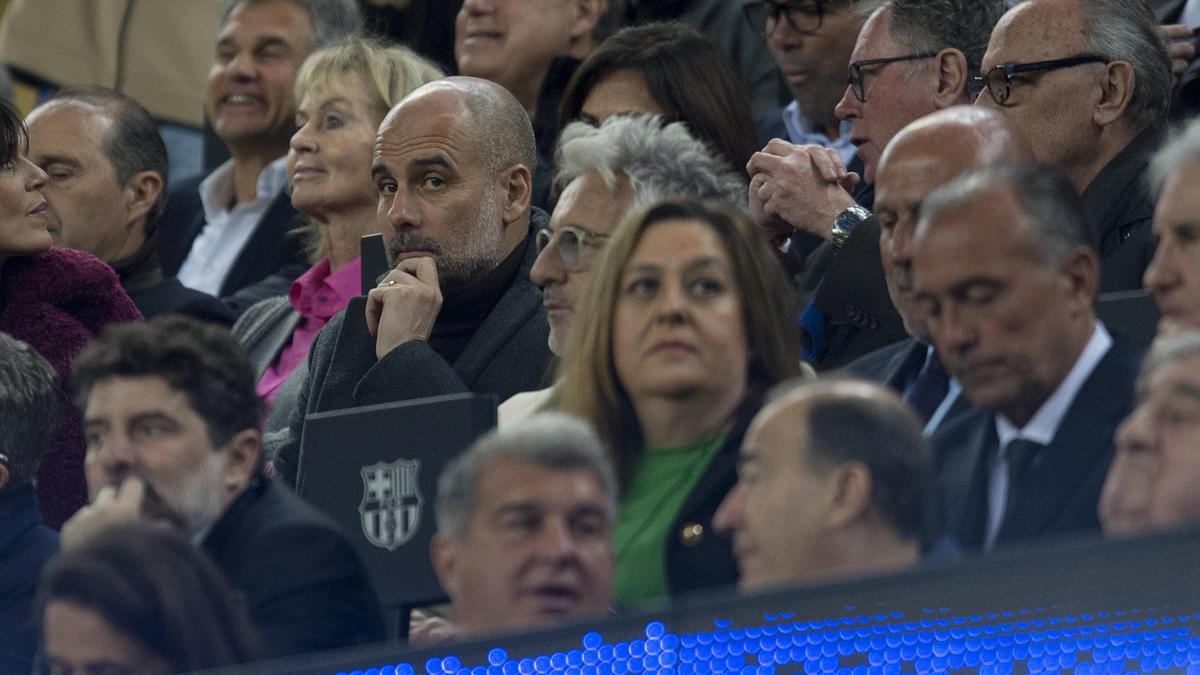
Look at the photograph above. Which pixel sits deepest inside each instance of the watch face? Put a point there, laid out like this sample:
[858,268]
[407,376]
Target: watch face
[845,222]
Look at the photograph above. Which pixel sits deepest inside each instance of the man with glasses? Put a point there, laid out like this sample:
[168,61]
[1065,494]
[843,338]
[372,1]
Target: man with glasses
[1088,82]
[912,57]
[810,41]
[604,174]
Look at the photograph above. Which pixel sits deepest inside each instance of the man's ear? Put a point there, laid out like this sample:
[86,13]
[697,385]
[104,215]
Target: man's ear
[952,76]
[240,461]
[443,552]
[1081,270]
[516,190]
[1116,92]
[587,14]
[142,193]
[848,494]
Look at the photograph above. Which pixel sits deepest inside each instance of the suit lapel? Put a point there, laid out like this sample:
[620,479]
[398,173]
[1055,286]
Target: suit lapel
[511,313]
[354,347]
[905,365]
[1082,447]
[962,454]
[260,257]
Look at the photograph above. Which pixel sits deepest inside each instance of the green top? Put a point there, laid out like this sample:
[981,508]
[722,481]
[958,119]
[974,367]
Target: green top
[660,482]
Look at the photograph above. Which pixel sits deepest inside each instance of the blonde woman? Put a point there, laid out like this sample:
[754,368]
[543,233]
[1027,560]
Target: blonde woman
[344,91]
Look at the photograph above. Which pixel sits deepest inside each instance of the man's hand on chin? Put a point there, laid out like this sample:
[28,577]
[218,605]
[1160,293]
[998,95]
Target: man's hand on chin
[404,305]
[113,506]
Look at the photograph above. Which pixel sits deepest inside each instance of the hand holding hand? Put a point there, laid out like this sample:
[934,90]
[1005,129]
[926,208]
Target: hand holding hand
[404,305]
[801,187]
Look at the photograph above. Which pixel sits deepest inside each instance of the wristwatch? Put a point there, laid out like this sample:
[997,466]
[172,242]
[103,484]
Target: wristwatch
[845,222]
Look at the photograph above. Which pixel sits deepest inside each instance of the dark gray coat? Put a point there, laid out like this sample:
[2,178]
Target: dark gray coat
[507,354]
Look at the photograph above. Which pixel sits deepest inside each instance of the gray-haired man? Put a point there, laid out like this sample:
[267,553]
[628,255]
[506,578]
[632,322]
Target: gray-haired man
[1088,82]
[605,173]
[525,520]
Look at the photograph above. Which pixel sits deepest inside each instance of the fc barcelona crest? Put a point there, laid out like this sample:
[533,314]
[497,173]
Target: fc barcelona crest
[391,503]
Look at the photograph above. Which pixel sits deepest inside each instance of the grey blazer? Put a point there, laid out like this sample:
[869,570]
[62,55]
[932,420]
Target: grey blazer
[264,330]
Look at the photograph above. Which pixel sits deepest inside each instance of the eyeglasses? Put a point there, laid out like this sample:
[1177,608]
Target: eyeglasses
[856,71]
[801,17]
[998,79]
[570,241]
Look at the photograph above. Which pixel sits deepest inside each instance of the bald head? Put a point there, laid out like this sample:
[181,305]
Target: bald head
[452,164]
[489,114]
[846,460]
[925,155]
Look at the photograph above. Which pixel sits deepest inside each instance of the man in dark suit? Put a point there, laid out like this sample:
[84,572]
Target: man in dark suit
[227,234]
[171,420]
[1003,268]
[457,312]
[28,418]
[925,155]
[1094,104]
[107,177]
[895,78]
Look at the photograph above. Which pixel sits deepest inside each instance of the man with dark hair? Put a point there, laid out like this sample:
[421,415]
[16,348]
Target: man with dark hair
[457,311]
[811,43]
[845,460]
[912,57]
[28,417]
[531,48]
[171,422]
[227,234]
[1088,82]
[107,169]
[1152,483]
[1004,272]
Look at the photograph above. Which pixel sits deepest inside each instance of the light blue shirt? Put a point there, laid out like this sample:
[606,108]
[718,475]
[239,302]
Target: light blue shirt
[801,131]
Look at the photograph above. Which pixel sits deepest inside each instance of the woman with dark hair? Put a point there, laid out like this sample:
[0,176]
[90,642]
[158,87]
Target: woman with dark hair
[687,327]
[54,299]
[140,599]
[666,69]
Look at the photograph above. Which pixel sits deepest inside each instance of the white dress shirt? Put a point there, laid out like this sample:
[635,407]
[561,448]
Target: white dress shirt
[226,231]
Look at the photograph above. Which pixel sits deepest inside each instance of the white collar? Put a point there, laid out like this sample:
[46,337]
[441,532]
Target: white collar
[1043,426]
[216,190]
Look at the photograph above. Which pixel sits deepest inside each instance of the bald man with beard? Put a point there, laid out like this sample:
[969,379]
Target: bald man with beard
[925,155]
[457,312]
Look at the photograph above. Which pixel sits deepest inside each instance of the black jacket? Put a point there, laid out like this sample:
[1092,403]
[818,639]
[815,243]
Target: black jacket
[299,578]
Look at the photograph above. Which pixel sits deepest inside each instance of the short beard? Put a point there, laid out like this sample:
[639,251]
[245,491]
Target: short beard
[464,261]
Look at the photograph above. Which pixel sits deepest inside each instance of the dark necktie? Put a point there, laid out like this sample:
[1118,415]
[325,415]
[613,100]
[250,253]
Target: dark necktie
[929,389]
[1021,456]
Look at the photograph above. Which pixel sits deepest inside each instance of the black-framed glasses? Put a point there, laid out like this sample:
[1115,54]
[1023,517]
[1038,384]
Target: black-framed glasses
[803,16]
[571,241]
[998,79]
[856,71]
